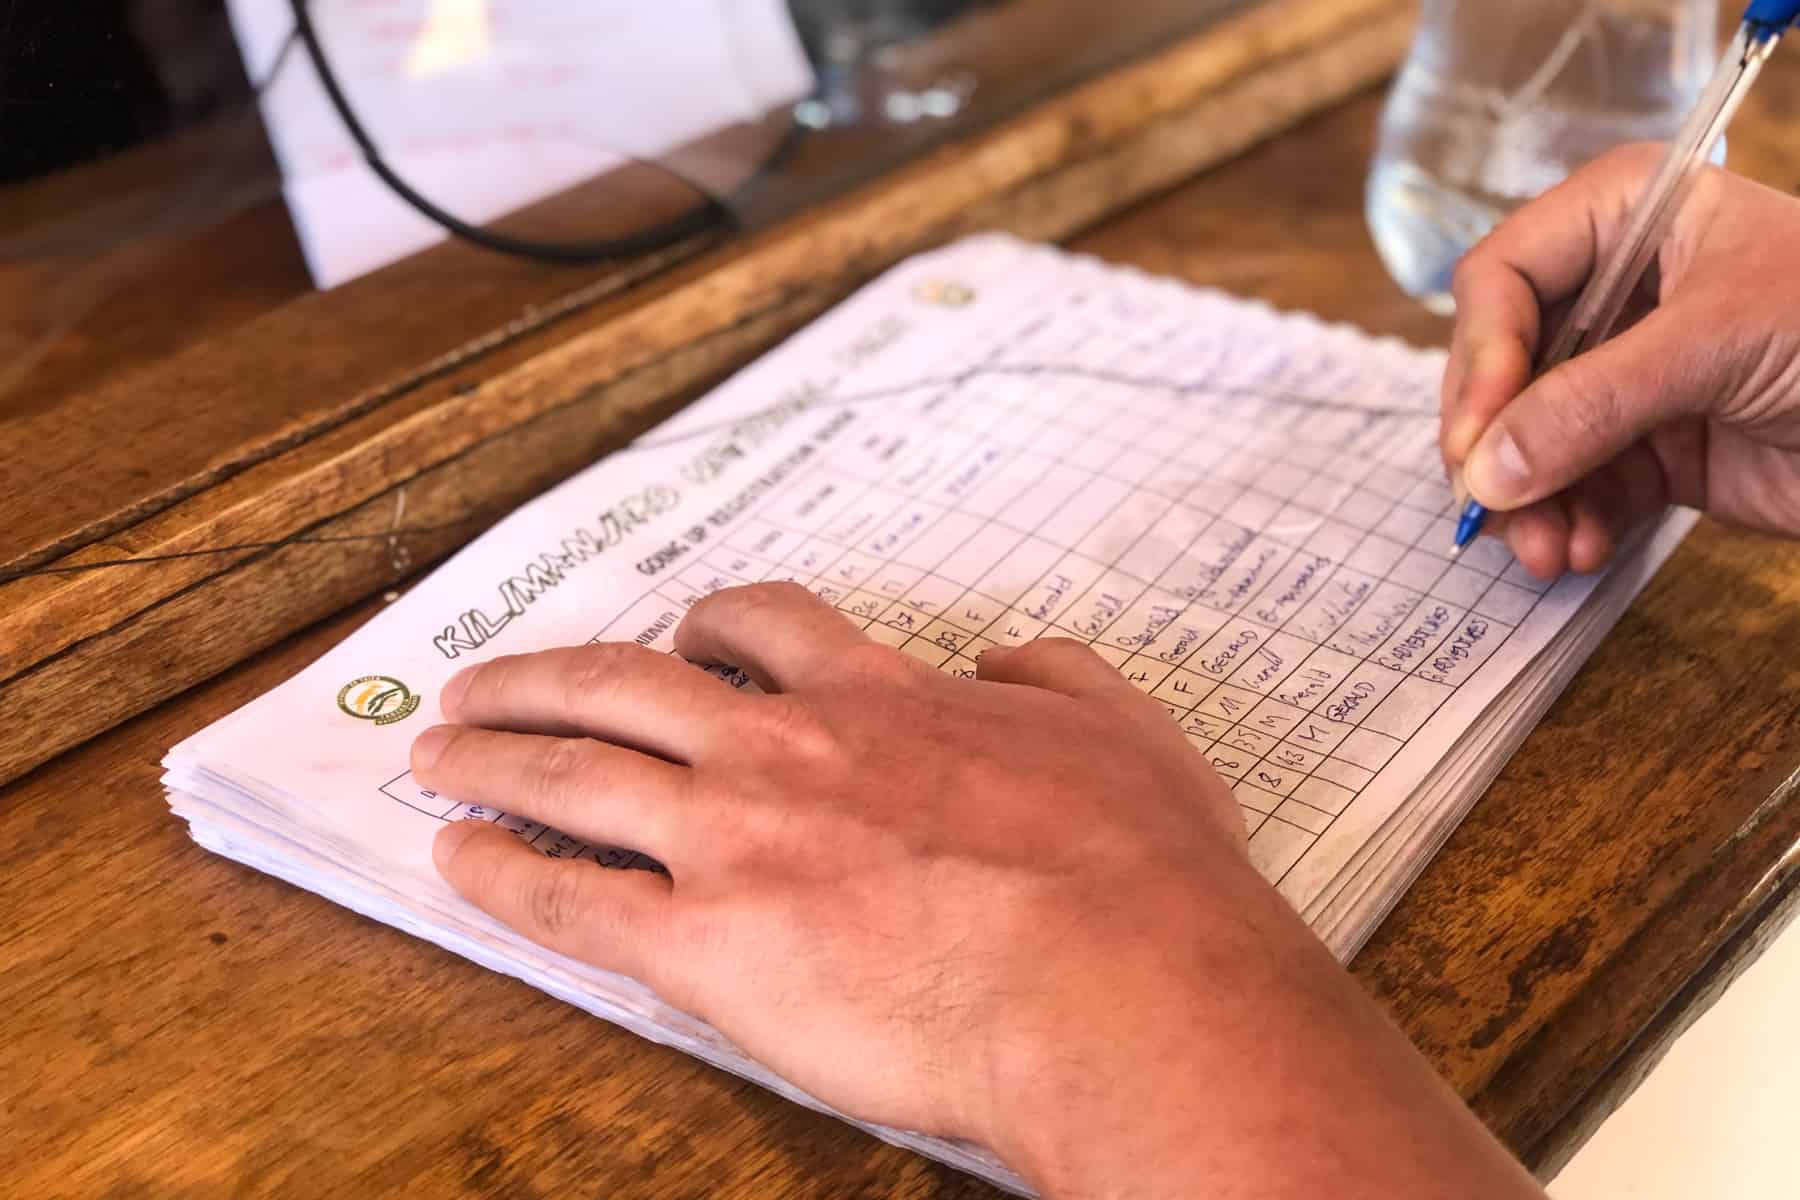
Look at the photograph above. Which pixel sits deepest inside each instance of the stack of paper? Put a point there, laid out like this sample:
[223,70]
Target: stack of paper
[1243,510]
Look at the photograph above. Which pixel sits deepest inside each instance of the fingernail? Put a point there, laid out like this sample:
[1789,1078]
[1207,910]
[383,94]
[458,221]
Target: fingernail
[451,694]
[1496,473]
[428,747]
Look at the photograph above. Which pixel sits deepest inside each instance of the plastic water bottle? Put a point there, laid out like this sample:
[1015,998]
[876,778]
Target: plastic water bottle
[1499,101]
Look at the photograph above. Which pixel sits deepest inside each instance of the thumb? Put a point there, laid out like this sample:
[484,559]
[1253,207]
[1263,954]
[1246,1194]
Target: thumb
[1056,664]
[1585,412]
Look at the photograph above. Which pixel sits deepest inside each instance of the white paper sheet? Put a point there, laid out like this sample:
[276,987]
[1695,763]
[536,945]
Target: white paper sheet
[486,105]
[1242,510]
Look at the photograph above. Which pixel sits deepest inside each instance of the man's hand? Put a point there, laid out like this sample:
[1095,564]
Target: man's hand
[1017,909]
[1697,403]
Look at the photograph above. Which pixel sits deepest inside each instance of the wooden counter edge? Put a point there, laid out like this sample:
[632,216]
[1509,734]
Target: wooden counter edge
[1749,927]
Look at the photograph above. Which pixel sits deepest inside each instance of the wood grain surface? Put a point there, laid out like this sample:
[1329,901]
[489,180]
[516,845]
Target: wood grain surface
[176,1025]
[353,416]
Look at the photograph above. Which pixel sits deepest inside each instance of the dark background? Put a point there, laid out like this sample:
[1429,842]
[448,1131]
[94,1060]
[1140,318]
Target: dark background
[84,78]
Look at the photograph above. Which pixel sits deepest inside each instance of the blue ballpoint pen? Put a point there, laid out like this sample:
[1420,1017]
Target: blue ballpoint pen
[1591,321]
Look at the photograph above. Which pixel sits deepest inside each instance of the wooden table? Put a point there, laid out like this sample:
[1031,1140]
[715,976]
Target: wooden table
[173,1024]
[210,455]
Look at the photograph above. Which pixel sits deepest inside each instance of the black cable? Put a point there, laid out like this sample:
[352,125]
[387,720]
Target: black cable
[282,54]
[710,213]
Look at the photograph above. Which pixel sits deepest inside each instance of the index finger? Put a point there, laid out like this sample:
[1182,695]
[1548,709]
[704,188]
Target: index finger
[1537,258]
[615,691]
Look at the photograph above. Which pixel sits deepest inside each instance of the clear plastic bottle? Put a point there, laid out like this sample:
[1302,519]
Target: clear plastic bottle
[1500,100]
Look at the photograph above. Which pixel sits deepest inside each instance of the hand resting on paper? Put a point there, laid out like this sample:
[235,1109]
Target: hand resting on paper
[1017,909]
[1697,403]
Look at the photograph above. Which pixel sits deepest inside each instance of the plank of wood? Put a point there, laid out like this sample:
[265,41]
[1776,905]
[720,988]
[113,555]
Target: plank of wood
[607,369]
[1754,912]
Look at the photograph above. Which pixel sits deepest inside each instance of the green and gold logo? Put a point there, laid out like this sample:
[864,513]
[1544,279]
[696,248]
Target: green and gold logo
[378,698]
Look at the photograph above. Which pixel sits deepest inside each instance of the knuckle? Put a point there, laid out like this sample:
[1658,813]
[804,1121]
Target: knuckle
[872,660]
[781,591]
[495,677]
[753,598]
[1471,268]
[593,678]
[791,726]
[557,768]
[755,602]
[1631,161]
[747,606]
[555,899]
[703,608]
[1586,404]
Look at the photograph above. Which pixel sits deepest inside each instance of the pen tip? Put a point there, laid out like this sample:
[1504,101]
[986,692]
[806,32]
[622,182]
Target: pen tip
[1456,549]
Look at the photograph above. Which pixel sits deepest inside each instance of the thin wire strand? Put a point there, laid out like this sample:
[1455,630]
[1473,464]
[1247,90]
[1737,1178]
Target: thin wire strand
[22,358]
[711,213]
[386,535]
[1062,370]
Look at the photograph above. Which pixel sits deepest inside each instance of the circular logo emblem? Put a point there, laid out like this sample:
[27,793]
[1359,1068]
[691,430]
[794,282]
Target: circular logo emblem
[378,698]
[944,292]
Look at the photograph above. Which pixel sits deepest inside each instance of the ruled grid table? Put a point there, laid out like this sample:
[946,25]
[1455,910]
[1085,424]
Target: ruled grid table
[1269,565]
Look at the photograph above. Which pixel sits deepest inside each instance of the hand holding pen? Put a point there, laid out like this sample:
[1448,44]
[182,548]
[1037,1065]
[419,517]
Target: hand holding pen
[1627,427]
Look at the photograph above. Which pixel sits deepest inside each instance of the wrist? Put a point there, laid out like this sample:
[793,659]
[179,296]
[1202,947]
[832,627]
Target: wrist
[1110,1064]
[1224,1052]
